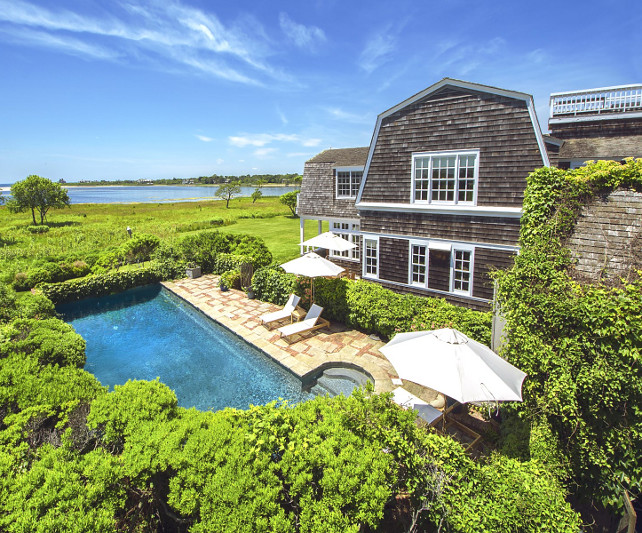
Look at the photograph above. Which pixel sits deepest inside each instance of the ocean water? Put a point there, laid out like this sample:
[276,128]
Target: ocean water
[153,193]
[147,332]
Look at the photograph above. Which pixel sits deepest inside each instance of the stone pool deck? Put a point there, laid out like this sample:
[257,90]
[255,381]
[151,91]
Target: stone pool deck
[305,357]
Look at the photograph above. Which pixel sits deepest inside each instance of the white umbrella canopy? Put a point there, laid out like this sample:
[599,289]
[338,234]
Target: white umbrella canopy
[312,265]
[449,362]
[330,241]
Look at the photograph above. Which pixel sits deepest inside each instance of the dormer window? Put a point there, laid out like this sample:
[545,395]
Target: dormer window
[348,181]
[445,177]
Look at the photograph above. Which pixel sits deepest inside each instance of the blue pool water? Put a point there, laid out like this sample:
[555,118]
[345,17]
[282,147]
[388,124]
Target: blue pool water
[148,332]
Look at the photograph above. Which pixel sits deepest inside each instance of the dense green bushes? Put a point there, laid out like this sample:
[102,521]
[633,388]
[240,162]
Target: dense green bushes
[327,465]
[371,307]
[99,285]
[50,272]
[580,345]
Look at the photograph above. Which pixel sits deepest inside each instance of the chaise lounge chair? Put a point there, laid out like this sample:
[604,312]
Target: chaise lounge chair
[311,322]
[433,416]
[286,312]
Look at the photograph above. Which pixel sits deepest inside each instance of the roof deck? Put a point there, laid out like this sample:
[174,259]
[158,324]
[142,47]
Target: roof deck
[606,103]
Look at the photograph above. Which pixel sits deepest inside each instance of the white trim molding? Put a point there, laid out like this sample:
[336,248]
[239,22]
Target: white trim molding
[364,255]
[429,176]
[442,209]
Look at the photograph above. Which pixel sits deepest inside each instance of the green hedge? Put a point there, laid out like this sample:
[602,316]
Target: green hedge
[370,307]
[50,272]
[99,285]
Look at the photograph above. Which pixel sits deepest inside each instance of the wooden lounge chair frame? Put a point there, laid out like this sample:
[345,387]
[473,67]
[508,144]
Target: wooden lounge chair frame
[311,322]
[286,312]
[432,416]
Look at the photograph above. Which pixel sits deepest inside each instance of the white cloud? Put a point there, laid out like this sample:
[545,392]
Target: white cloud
[204,138]
[346,116]
[264,152]
[219,161]
[377,51]
[302,36]
[169,34]
[65,44]
[456,58]
[311,142]
[282,116]
[262,139]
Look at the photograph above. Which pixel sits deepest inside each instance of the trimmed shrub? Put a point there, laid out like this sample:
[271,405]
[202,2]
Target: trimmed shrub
[230,279]
[272,284]
[370,307]
[50,272]
[99,285]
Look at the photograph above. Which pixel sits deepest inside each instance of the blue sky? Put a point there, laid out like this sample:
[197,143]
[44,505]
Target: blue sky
[155,89]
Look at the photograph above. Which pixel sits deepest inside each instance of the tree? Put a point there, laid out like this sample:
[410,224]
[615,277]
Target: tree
[298,180]
[290,199]
[227,191]
[38,194]
[257,194]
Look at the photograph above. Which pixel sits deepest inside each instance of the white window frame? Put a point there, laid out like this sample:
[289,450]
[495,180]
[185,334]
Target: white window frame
[426,264]
[354,190]
[447,153]
[453,253]
[351,234]
[365,274]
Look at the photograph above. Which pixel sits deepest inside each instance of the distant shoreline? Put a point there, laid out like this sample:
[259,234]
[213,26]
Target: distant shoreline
[86,186]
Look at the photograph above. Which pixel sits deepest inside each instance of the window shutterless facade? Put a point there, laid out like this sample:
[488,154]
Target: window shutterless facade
[425,261]
[418,264]
[350,232]
[370,257]
[445,177]
[348,181]
[461,274]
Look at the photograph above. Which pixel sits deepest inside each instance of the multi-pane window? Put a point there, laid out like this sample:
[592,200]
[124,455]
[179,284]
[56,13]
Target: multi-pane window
[418,264]
[445,178]
[370,257]
[461,271]
[348,183]
[350,232]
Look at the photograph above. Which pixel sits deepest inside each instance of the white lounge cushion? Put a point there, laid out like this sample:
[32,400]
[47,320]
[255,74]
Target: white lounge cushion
[407,400]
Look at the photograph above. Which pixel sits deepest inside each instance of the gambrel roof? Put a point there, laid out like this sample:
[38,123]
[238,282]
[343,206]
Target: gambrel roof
[457,84]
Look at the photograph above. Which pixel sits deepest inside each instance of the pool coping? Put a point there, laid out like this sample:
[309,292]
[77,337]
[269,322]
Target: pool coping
[308,356]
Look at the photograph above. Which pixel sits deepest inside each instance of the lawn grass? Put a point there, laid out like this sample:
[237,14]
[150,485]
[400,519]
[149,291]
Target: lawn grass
[86,229]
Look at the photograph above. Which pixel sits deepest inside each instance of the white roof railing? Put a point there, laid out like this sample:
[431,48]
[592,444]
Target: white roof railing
[605,102]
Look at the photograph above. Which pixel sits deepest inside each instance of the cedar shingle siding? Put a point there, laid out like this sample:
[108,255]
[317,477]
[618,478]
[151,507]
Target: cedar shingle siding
[318,188]
[467,228]
[450,116]
[459,119]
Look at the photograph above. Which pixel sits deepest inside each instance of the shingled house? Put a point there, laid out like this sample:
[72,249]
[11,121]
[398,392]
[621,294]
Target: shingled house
[435,201]
[594,124]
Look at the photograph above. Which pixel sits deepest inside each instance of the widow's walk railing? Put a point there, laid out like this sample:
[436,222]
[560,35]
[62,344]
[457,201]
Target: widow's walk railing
[606,101]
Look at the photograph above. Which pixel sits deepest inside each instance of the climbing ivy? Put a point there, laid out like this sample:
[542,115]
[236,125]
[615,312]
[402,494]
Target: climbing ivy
[579,344]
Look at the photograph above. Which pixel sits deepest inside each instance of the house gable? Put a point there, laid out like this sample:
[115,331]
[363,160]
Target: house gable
[318,197]
[451,116]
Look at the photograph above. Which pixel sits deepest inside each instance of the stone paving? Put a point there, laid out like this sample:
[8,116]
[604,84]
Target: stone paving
[306,355]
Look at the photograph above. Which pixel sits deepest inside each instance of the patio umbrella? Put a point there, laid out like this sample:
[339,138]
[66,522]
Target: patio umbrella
[449,362]
[330,241]
[312,265]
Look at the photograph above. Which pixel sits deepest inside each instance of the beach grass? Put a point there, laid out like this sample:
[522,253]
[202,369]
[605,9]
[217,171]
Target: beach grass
[86,229]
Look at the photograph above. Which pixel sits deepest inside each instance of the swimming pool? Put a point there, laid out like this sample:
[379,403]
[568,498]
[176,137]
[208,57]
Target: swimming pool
[148,332]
